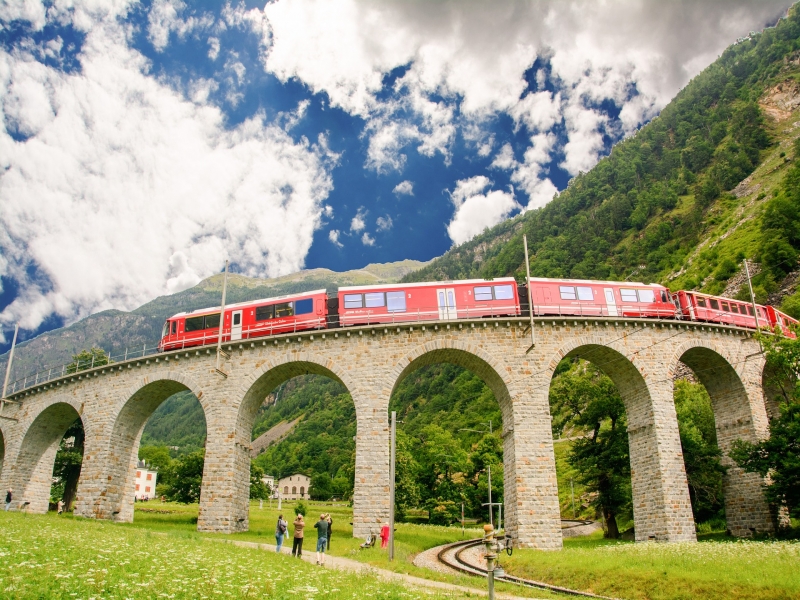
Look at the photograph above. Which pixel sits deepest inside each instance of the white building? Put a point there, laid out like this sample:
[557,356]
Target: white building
[269,481]
[145,481]
[294,487]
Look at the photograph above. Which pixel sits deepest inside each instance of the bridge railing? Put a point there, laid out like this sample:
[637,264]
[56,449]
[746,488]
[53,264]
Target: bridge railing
[365,317]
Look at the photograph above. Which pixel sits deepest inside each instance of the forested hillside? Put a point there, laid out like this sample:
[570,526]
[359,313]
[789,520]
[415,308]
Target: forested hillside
[708,182]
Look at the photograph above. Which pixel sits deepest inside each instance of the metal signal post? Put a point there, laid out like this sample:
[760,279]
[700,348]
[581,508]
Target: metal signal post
[530,297]
[222,319]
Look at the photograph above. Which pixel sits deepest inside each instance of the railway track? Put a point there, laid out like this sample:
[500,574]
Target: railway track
[452,556]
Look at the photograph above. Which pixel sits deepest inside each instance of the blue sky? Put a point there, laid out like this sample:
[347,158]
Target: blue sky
[144,143]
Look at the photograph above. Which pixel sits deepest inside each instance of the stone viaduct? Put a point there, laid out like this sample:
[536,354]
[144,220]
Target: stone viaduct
[641,356]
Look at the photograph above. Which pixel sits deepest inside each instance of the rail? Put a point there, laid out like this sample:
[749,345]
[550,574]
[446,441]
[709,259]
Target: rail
[462,566]
[365,317]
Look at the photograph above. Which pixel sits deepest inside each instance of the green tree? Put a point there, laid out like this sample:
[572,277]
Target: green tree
[87,359]
[778,457]
[321,484]
[67,467]
[157,457]
[300,508]
[258,489]
[186,475]
[407,489]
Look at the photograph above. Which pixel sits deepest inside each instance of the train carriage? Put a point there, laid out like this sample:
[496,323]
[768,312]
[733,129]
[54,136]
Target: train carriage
[397,303]
[779,319]
[599,298]
[695,306]
[245,320]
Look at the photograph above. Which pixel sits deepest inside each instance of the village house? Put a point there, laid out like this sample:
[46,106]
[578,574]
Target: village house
[145,481]
[294,487]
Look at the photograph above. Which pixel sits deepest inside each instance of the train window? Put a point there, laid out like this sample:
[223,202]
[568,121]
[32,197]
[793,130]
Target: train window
[212,321]
[353,301]
[701,302]
[237,318]
[628,295]
[664,296]
[503,292]
[585,293]
[264,312]
[174,327]
[165,331]
[374,299]
[567,292]
[726,307]
[749,310]
[303,307]
[483,293]
[734,308]
[714,304]
[193,324]
[396,301]
[284,309]
[647,296]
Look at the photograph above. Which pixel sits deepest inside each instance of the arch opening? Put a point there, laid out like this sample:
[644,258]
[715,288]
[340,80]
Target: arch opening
[33,475]
[452,407]
[156,448]
[617,438]
[713,386]
[299,421]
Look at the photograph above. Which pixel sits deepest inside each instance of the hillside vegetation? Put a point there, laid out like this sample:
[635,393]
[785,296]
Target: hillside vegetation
[710,181]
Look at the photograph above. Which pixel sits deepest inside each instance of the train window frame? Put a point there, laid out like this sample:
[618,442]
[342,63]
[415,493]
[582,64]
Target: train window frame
[712,302]
[192,324]
[483,293]
[734,308]
[725,306]
[304,306]
[701,302]
[630,293]
[750,310]
[237,317]
[267,309]
[351,299]
[283,306]
[503,292]
[567,292]
[213,322]
[584,290]
[644,294]
[174,327]
[396,301]
[374,300]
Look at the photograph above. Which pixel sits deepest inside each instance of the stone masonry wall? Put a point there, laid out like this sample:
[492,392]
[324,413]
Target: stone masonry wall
[115,401]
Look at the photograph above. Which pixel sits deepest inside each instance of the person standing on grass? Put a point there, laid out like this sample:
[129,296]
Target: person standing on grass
[330,530]
[280,530]
[9,495]
[60,506]
[297,543]
[385,535]
[322,537]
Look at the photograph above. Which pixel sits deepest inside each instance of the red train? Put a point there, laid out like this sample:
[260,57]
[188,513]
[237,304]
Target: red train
[466,299]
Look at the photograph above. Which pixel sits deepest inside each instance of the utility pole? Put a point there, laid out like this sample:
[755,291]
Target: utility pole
[528,286]
[8,372]
[222,320]
[752,296]
[572,487]
[391,489]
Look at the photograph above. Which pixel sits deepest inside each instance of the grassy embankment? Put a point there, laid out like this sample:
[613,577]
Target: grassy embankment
[716,568]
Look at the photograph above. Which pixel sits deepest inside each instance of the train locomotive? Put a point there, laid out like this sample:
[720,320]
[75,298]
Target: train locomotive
[464,299]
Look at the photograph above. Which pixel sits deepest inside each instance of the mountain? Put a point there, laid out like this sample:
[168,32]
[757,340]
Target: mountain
[707,183]
[116,331]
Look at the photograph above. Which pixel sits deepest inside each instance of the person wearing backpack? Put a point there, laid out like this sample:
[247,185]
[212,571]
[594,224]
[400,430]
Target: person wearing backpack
[280,530]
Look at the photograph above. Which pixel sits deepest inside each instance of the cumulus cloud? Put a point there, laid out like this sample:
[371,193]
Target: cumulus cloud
[475,209]
[165,17]
[333,236]
[358,223]
[404,188]
[367,239]
[121,189]
[473,57]
[384,223]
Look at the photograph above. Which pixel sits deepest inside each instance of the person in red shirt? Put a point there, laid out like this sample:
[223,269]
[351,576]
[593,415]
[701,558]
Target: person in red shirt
[385,535]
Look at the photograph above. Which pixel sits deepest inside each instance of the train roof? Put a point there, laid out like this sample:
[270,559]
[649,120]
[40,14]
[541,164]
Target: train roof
[394,286]
[202,311]
[595,282]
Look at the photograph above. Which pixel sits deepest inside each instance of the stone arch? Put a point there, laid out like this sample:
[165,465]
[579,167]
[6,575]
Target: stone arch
[139,401]
[661,505]
[737,415]
[32,472]
[253,390]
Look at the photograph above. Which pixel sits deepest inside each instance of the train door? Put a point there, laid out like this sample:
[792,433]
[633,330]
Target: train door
[446,299]
[236,325]
[611,303]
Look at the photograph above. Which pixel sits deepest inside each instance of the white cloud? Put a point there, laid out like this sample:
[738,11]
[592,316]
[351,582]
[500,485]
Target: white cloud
[358,223]
[164,17]
[384,223]
[477,210]
[404,188]
[125,190]
[505,158]
[333,236]
[367,239]
[213,48]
